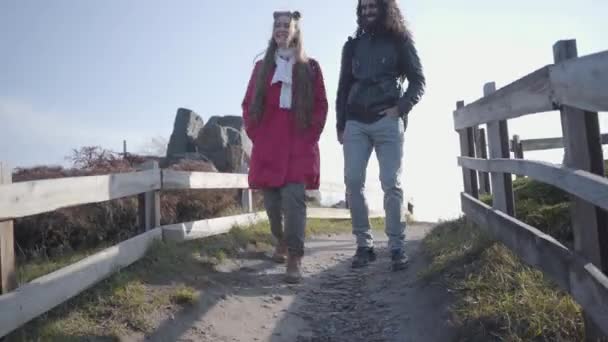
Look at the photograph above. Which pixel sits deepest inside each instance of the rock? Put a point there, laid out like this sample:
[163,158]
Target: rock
[224,141]
[188,162]
[186,130]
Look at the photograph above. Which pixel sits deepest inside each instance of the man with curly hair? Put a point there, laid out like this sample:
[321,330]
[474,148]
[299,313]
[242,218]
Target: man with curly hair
[372,110]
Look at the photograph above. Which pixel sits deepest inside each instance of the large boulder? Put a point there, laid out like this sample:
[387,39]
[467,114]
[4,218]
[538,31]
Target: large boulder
[186,130]
[178,158]
[224,141]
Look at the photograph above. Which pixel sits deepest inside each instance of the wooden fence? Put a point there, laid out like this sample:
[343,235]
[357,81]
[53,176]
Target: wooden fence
[519,146]
[578,88]
[18,305]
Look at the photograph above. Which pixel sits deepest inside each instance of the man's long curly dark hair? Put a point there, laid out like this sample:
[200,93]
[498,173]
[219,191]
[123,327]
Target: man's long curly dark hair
[390,17]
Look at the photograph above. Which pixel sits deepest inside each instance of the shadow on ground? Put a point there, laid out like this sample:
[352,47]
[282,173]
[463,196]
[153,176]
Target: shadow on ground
[334,303]
[246,300]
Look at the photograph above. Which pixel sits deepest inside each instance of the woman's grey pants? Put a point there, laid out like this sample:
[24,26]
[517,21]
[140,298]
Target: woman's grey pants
[386,137]
[286,209]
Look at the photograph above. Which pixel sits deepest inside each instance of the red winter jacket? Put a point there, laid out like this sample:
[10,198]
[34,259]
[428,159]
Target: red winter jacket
[283,152]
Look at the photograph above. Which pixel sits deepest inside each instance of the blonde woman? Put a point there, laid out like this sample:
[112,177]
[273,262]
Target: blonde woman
[284,111]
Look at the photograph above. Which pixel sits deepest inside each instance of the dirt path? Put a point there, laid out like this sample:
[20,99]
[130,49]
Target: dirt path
[247,301]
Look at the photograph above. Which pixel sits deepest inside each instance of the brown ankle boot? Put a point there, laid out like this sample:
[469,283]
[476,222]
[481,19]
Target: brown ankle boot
[280,253]
[294,273]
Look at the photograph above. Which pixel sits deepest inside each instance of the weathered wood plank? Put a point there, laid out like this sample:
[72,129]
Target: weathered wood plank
[583,151]
[247,200]
[200,229]
[588,285]
[590,288]
[330,213]
[527,242]
[498,144]
[550,143]
[518,151]
[467,149]
[8,277]
[36,197]
[585,185]
[481,151]
[173,180]
[530,94]
[581,82]
[148,203]
[340,188]
[43,294]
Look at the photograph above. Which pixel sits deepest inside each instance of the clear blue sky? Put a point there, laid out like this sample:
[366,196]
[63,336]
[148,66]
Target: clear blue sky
[76,73]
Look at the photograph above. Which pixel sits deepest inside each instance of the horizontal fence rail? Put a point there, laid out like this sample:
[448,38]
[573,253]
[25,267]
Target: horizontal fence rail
[519,146]
[577,87]
[37,197]
[40,295]
[579,83]
[204,228]
[203,180]
[589,286]
[588,186]
[20,305]
[550,143]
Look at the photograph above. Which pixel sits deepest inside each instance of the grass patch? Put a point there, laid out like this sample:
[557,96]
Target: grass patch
[497,296]
[542,206]
[184,295]
[337,226]
[30,270]
[165,279]
[451,244]
[514,302]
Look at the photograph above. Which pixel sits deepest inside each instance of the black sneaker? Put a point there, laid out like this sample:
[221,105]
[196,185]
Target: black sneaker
[363,257]
[399,260]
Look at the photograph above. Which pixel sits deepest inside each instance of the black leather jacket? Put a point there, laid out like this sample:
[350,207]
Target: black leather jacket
[371,78]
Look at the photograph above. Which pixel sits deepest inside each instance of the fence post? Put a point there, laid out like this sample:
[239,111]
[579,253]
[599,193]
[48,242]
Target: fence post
[498,143]
[8,277]
[247,200]
[246,194]
[467,149]
[518,150]
[583,150]
[482,153]
[149,203]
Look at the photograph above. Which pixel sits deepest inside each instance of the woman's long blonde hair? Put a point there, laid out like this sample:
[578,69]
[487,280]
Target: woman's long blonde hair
[303,77]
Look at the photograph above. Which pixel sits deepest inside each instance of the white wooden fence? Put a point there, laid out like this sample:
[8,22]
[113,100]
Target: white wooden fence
[22,304]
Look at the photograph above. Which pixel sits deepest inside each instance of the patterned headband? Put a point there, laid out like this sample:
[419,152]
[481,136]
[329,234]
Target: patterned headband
[293,15]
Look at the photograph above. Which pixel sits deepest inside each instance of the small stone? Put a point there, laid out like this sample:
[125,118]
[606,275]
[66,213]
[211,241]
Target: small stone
[278,298]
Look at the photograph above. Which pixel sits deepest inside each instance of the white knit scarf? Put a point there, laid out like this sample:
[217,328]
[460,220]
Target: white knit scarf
[284,59]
